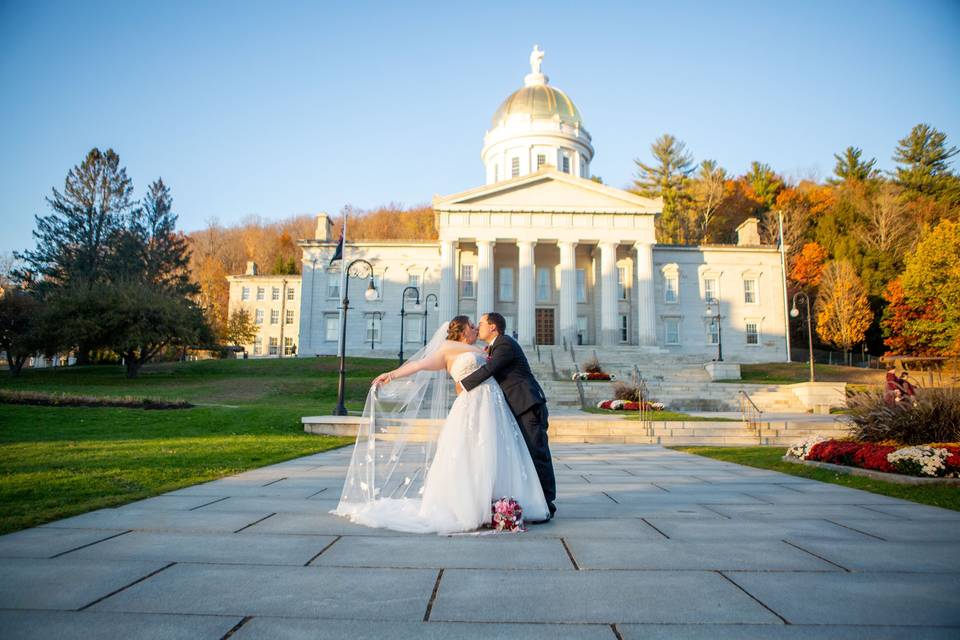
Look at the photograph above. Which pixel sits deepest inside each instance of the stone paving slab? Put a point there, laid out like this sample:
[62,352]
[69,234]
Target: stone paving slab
[631,528]
[594,596]
[87,625]
[211,548]
[785,632]
[44,542]
[877,555]
[915,531]
[251,490]
[800,512]
[64,583]
[171,503]
[635,510]
[298,629]
[913,511]
[858,598]
[158,520]
[500,551]
[753,530]
[306,592]
[670,555]
[274,505]
[320,524]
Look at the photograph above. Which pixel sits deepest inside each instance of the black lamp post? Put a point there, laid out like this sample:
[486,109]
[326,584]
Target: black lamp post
[716,318]
[403,313]
[794,313]
[359,268]
[426,307]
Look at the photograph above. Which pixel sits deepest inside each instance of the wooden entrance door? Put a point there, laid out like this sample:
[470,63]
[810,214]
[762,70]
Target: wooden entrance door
[544,321]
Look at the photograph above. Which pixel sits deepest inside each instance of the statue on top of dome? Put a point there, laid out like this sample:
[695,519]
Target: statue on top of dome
[536,59]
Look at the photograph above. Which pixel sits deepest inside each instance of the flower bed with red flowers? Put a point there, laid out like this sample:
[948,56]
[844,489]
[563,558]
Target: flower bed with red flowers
[593,375]
[869,455]
[629,405]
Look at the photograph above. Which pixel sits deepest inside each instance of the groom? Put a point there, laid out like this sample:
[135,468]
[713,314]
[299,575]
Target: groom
[508,366]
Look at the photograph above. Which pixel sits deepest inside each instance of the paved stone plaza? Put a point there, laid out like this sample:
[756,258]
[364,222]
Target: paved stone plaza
[648,543]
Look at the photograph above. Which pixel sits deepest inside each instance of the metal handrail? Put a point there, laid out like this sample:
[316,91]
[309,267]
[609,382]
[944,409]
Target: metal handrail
[580,391]
[752,414]
[553,367]
[643,397]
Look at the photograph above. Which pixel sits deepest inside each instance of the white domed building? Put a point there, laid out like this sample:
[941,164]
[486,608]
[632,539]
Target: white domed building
[568,261]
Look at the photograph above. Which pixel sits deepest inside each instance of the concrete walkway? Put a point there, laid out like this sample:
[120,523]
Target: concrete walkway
[648,543]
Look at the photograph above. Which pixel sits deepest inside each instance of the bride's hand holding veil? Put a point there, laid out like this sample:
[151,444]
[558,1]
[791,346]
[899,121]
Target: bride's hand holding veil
[432,362]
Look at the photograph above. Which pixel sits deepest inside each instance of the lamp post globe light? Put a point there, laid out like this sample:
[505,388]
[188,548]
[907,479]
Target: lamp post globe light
[715,318]
[426,308]
[403,313]
[359,268]
[795,313]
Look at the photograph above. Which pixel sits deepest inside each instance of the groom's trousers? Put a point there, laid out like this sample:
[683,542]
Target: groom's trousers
[533,426]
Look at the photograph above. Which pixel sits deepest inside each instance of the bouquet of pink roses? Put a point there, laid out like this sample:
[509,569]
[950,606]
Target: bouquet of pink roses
[507,516]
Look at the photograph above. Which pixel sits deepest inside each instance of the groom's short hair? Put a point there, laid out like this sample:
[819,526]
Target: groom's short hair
[498,321]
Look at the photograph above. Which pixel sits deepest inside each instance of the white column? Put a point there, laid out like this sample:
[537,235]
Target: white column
[526,327]
[568,292]
[608,294]
[448,280]
[484,278]
[644,298]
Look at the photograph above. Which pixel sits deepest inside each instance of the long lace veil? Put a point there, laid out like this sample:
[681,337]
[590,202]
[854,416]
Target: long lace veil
[396,438]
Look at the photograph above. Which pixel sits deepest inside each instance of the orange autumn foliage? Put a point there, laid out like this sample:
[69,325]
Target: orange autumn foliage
[808,265]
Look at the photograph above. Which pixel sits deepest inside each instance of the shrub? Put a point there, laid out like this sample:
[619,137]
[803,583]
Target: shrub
[933,415]
[628,392]
[592,366]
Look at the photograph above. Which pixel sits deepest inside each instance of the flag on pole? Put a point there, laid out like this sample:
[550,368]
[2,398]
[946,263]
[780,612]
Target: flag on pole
[338,254]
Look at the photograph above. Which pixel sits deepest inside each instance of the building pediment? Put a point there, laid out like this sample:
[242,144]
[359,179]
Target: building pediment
[548,190]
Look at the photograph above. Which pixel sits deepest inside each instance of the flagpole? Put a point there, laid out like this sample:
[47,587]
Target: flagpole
[341,344]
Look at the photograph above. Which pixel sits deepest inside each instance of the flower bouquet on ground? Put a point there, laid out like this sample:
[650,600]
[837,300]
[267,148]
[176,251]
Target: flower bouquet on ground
[507,516]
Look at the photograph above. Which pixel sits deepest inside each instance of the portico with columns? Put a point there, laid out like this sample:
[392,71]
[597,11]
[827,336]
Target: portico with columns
[565,259]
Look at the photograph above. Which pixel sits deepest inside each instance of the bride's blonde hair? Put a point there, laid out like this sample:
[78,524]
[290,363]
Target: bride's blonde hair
[458,326]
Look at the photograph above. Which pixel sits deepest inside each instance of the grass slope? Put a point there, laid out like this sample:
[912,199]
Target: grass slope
[61,461]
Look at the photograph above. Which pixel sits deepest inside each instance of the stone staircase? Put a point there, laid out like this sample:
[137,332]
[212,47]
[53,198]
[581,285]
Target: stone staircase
[679,382]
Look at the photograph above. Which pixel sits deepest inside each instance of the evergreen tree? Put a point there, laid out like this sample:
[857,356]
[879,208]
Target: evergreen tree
[766,184]
[924,168]
[666,178]
[850,166]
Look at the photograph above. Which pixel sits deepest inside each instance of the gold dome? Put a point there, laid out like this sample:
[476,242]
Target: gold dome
[539,101]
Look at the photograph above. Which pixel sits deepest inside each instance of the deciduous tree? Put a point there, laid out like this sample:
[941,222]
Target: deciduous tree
[842,309]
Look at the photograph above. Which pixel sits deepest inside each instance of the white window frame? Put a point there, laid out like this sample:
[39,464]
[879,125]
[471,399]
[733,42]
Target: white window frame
[290,293]
[712,331]
[274,316]
[374,328]
[274,293]
[707,294]
[333,285]
[468,282]
[245,293]
[746,332]
[514,166]
[413,331]
[624,328]
[274,346]
[258,316]
[261,293]
[544,285]
[288,346]
[289,317]
[667,322]
[565,163]
[541,160]
[258,346]
[505,284]
[331,328]
[621,282]
[581,285]
[415,280]
[756,289]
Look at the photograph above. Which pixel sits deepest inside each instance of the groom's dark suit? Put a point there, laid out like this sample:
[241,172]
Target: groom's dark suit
[507,364]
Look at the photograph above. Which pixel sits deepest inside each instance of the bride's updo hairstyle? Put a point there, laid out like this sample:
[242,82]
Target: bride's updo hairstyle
[458,326]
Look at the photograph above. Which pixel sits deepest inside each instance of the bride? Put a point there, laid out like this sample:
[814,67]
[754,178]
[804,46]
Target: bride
[397,481]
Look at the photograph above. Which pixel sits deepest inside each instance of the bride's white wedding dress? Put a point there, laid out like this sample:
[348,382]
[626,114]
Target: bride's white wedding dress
[480,456]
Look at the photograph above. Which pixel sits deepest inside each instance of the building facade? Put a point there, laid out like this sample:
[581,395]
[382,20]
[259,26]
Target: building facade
[565,259]
[273,303]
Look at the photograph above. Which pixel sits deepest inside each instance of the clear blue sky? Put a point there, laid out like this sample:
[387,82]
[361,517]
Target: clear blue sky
[283,108]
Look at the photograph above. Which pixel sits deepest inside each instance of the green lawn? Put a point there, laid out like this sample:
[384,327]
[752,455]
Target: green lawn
[658,416]
[61,461]
[793,372]
[944,496]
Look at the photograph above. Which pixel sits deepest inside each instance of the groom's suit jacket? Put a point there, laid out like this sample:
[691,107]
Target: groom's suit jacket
[508,365]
